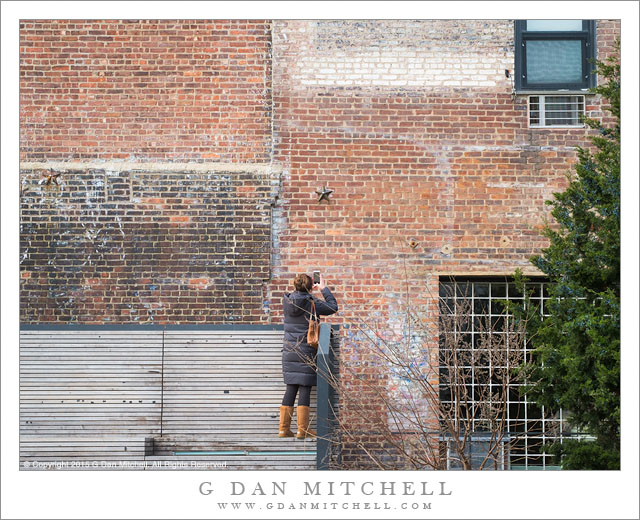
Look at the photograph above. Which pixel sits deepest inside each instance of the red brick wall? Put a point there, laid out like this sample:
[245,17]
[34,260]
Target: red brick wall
[412,123]
[145,89]
[122,237]
[419,140]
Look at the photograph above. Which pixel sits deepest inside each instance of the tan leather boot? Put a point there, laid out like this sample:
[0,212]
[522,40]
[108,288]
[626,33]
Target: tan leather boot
[303,423]
[286,412]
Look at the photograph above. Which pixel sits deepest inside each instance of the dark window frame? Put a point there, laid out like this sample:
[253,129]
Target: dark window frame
[588,38]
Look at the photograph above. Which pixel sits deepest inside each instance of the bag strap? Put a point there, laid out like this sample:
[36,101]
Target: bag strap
[313,313]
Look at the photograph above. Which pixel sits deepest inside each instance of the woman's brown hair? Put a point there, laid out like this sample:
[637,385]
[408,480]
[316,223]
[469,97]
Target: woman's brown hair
[303,283]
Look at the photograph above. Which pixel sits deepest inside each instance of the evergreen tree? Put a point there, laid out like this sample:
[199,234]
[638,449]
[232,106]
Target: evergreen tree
[576,361]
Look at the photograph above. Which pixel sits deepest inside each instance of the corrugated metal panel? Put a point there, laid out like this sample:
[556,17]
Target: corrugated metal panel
[97,394]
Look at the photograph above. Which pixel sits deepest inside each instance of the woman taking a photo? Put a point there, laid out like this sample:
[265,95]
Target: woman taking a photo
[298,358]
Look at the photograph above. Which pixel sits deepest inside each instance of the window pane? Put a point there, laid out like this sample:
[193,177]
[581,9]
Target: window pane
[497,323]
[481,306]
[463,288]
[446,289]
[554,61]
[481,290]
[447,306]
[514,292]
[554,25]
[533,290]
[497,307]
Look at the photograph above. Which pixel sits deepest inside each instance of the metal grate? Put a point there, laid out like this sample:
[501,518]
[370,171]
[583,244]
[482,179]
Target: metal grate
[529,426]
[556,111]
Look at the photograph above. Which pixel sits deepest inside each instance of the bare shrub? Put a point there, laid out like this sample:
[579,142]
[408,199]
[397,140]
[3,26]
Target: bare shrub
[421,393]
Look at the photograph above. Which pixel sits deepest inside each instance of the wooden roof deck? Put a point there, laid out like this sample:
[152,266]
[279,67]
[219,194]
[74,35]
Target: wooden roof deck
[209,399]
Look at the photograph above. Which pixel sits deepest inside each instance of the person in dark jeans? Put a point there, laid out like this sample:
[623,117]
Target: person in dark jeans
[298,358]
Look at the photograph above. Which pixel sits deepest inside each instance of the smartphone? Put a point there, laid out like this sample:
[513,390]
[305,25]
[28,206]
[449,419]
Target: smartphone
[316,277]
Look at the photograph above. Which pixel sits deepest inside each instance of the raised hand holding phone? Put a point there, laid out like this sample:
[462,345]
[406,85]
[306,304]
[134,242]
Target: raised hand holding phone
[318,281]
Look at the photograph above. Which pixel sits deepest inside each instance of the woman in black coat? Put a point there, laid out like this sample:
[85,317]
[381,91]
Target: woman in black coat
[298,358]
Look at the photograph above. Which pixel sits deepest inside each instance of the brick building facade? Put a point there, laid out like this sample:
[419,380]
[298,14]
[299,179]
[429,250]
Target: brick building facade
[189,153]
[169,169]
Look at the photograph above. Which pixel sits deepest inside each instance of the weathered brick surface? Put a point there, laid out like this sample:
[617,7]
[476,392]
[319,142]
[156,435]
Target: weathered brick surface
[145,89]
[400,53]
[145,247]
[454,167]
[412,123]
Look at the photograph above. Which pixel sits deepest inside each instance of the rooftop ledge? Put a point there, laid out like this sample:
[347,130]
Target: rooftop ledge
[159,167]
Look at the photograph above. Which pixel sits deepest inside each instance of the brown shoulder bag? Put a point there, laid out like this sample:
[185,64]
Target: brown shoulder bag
[313,334]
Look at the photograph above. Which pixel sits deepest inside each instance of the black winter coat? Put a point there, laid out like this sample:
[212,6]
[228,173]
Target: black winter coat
[295,350]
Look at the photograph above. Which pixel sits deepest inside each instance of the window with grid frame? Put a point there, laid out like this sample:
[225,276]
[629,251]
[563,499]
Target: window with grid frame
[554,54]
[481,300]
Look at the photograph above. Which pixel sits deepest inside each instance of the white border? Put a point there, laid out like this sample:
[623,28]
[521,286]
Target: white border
[174,495]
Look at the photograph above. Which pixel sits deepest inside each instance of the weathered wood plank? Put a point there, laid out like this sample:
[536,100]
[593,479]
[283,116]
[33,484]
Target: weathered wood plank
[222,389]
[103,383]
